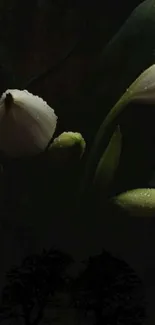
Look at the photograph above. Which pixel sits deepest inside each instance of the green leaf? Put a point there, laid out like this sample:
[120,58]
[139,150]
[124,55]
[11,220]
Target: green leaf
[137,202]
[141,90]
[109,161]
[127,55]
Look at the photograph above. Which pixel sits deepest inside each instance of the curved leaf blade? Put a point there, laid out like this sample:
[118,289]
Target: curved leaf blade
[141,90]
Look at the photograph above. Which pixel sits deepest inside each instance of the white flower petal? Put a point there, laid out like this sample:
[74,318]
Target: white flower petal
[27,126]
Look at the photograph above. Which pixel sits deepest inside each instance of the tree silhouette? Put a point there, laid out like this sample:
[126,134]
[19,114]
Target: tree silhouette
[107,287]
[33,285]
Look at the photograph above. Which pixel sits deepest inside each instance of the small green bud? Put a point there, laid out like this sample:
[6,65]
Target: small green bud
[70,139]
[68,145]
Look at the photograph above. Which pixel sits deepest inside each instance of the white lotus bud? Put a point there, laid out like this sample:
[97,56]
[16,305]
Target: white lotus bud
[27,123]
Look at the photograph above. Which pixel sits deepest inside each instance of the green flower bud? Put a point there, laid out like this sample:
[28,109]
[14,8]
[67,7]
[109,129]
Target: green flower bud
[69,139]
[69,144]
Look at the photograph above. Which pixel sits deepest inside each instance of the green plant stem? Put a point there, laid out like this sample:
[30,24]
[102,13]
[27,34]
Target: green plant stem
[102,139]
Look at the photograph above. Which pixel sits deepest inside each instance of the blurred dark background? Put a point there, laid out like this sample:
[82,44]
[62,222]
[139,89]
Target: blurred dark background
[67,53]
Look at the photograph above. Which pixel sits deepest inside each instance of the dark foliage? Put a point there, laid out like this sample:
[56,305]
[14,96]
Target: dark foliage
[108,287]
[32,285]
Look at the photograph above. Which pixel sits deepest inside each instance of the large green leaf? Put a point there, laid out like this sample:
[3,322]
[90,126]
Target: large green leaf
[126,56]
[137,202]
[109,161]
[141,90]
